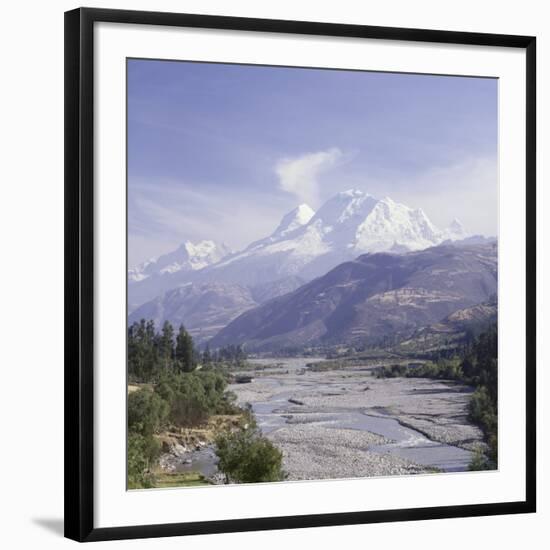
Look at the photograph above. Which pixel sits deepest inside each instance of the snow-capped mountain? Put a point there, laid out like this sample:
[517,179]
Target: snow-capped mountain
[306,244]
[455,231]
[295,219]
[349,224]
[292,221]
[188,257]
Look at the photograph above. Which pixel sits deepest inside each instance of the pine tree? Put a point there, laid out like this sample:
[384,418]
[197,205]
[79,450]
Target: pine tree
[166,344]
[185,355]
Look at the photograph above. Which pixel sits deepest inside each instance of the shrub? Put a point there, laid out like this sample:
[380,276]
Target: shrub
[479,461]
[147,412]
[142,451]
[248,457]
[192,397]
[482,410]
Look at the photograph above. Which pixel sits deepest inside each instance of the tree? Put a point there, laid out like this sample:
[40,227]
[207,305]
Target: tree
[142,452]
[142,350]
[147,412]
[166,344]
[248,457]
[190,404]
[185,353]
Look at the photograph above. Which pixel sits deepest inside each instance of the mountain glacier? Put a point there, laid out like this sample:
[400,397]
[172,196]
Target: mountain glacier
[306,244]
[153,277]
[187,257]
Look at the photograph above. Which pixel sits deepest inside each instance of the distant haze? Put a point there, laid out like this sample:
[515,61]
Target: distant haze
[223,152]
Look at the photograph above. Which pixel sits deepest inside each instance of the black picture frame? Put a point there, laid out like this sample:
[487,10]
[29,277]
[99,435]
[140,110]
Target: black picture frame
[79,272]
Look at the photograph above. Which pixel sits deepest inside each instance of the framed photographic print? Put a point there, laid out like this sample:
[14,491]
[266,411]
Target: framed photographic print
[300,274]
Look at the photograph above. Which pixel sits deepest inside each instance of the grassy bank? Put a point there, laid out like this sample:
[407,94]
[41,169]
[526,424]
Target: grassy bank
[165,480]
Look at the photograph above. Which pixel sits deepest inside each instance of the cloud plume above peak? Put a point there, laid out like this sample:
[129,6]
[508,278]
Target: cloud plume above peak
[299,175]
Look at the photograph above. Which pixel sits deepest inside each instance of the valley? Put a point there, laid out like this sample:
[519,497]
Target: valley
[346,423]
[302,299]
[355,341]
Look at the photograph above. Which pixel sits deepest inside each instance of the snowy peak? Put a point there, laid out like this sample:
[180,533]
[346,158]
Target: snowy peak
[456,231]
[391,226]
[290,223]
[345,208]
[205,253]
[307,244]
[296,218]
[349,224]
[304,245]
[357,221]
[456,225]
[187,257]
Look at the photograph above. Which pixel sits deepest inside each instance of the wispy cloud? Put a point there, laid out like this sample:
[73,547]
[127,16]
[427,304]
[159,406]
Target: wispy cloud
[159,222]
[300,175]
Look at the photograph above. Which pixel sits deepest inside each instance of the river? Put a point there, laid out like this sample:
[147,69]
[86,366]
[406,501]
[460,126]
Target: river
[291,395]
[347,423]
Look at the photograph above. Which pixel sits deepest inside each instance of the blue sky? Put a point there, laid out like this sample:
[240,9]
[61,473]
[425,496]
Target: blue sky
[222,152]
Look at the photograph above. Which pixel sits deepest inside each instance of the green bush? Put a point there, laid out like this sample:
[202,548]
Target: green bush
[479,461]
[482,411]
[192,397]
[142,452]
[248,457]
[147,412]
[180,395]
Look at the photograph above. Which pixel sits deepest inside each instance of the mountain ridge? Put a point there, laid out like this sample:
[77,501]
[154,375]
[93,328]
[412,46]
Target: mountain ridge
[369,297]
[306,244]
[202,308]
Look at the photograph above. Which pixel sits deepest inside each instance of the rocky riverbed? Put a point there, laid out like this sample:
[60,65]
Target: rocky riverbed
[346,423]
[191,450]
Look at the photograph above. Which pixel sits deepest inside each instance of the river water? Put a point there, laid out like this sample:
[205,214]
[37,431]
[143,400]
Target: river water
[406,442]
[275,397]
